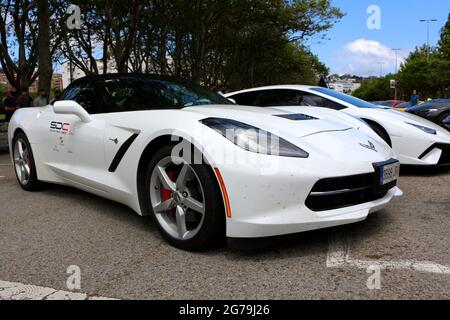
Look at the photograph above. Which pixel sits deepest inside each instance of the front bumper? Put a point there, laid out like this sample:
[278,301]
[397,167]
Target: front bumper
[269,203]
[439,151]
[429,151]
[295,222]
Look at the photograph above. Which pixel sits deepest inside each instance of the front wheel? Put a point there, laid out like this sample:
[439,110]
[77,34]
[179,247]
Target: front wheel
[185,202]
[24,165]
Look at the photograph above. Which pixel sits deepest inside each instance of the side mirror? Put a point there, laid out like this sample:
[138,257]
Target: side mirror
[232,100]
[71,107]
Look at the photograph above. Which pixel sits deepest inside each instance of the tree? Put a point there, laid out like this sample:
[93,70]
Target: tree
[429,76]
[444,42]
[44,48]
[28,42]
[18,42]
[376,89]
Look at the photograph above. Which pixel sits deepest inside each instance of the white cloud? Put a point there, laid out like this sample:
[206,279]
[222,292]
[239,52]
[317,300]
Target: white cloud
[363,57]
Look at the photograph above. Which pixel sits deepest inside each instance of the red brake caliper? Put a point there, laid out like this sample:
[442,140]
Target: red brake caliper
[167,194]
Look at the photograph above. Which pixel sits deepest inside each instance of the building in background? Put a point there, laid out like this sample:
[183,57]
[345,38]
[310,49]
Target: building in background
[77,73]
[345,84]
[57,82]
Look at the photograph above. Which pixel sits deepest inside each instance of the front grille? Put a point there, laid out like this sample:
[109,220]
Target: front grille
[445,157]
[342,192]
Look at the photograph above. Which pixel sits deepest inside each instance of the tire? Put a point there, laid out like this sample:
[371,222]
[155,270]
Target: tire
[200,190]
[24,164]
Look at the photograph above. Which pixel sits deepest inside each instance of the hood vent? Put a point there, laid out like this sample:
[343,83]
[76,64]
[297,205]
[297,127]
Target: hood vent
[296,117]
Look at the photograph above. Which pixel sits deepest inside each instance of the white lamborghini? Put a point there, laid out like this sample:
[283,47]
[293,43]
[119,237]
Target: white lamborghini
[415,140]
[202,167]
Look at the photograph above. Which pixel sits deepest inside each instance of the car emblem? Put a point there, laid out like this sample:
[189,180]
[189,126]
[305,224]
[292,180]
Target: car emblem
[369,146]
[116,141]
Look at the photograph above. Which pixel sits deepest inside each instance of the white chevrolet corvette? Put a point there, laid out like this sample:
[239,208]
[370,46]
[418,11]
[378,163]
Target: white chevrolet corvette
[202,167]
[415,140]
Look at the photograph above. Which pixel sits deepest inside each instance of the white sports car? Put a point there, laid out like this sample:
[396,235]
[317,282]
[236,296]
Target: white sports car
[202,167]
[416,141]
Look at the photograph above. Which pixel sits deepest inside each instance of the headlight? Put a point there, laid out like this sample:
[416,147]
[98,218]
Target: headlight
[424,129]
[254,139]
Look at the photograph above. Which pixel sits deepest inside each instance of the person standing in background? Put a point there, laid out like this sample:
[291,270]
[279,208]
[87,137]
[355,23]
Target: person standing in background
[57,96]
[24,100]
[41,100]
[415,99]
[10,105]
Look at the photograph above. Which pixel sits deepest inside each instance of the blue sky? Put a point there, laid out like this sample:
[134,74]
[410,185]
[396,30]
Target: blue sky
[354,48]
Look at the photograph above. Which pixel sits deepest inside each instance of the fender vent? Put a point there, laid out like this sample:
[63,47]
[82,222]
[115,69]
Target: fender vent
[121,153]
[296,117]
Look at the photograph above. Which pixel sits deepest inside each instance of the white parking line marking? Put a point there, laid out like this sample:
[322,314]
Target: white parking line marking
[19,291]
[339,256]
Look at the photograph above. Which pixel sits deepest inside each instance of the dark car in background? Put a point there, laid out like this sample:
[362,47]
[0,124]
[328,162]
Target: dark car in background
[447,122]
[435,110]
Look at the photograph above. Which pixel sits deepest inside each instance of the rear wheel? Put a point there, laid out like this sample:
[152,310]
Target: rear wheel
[24,165]
[185,202]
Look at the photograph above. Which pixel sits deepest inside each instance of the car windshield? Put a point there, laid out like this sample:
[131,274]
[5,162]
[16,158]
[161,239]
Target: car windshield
[346,98]
[132,93]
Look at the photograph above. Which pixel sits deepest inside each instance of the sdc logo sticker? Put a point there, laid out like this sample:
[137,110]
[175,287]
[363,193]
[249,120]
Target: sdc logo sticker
[60,127]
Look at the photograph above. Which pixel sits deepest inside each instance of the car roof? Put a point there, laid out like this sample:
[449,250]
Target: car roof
[277,87]
[130,75]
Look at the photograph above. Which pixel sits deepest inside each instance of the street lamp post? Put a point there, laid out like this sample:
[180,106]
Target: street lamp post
[428,34]
[396,70]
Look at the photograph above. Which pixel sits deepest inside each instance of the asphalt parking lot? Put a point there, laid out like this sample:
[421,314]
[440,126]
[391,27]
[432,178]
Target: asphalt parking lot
[122,256]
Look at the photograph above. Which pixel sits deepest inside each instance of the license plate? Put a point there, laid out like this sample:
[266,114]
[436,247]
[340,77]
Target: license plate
[389,173]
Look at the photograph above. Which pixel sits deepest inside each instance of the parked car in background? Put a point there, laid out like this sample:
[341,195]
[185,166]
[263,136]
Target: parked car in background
[403,106]
[389,103]
[435,110]
[416,141]
[382,103]
[447,122]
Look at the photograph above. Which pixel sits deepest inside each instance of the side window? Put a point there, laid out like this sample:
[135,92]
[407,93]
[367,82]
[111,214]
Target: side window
[310,99]
[280,97]
[246,99]
[86,95]
[130,94]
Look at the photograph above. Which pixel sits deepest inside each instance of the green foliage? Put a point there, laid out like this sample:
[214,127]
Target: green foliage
[444,42]
[426,70]
[376,89]
[430,76]
[223,44]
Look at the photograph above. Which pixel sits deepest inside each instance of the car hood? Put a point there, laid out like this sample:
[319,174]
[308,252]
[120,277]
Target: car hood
[403,117]
[427,107]
[273,120]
